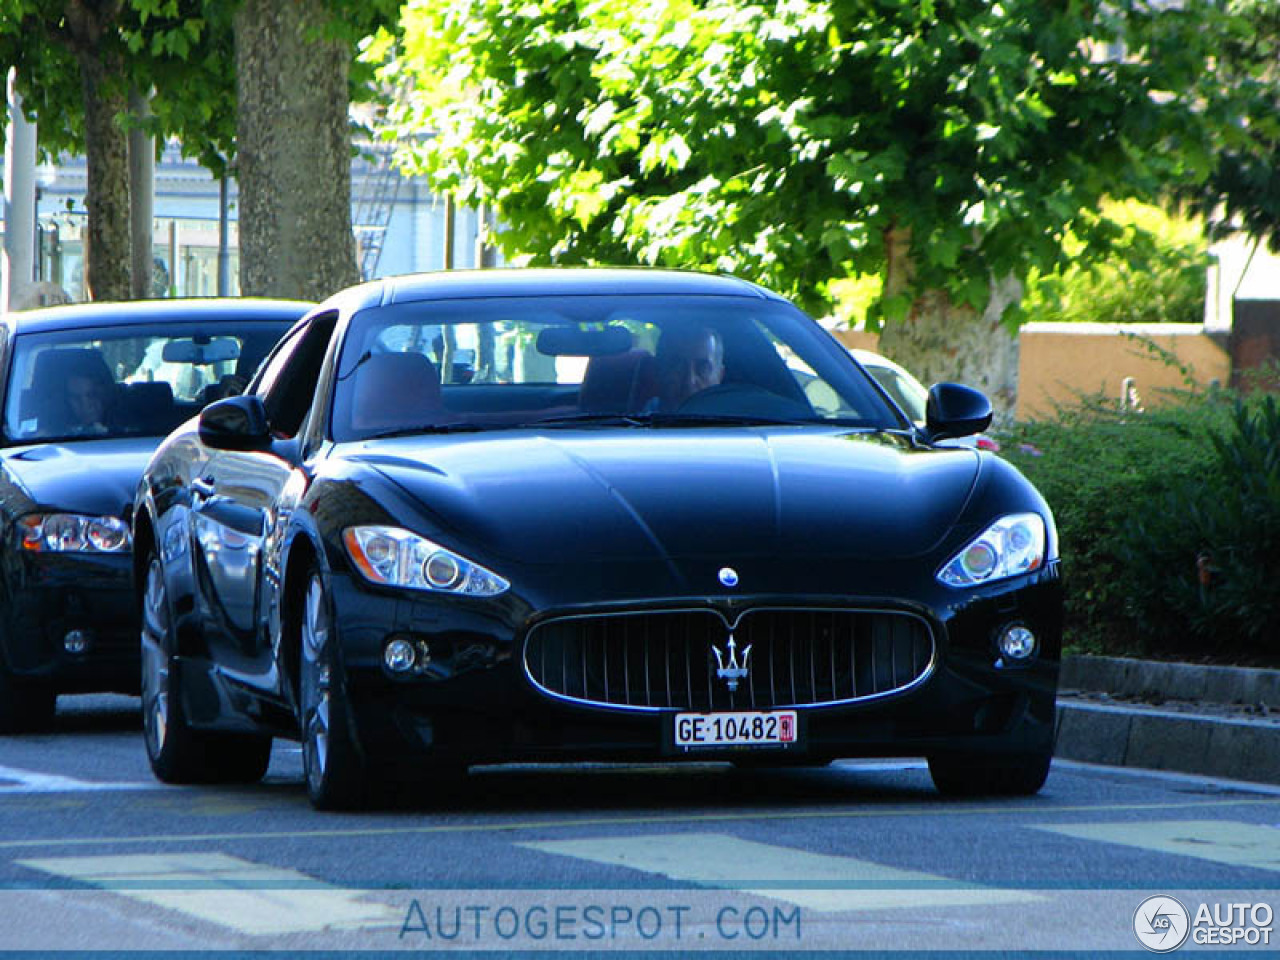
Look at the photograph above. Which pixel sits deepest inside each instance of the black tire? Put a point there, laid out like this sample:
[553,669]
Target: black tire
[976,775]
[25,707]
[177,752]
[337,775]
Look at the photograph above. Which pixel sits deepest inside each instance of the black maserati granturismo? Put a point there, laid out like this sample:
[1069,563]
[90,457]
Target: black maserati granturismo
[479,517]
[89,391]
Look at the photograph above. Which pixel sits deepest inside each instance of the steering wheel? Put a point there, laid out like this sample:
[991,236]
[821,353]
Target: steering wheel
[743,399]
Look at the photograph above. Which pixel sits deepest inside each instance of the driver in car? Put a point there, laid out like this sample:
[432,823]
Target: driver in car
[689,360]
[87,402]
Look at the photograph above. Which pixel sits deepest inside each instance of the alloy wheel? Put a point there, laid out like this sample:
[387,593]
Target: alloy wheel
[155,658]
[316,677]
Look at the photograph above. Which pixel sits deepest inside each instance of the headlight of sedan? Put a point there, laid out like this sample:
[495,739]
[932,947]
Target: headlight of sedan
[398,558]
[73,533]
[1011,546]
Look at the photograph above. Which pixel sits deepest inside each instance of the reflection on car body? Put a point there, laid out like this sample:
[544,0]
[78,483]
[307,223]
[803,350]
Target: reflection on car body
[89,391]
[522,556]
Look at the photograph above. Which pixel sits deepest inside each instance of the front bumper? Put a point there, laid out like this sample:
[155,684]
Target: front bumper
[477,704]
[46,596]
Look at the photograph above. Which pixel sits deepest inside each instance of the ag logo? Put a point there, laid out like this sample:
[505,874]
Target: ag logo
[1161,924]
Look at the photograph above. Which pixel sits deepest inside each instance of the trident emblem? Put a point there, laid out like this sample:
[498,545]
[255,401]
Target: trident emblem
[732,672]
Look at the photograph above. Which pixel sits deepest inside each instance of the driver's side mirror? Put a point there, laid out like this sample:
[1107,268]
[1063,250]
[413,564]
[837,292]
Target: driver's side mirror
[955,410]
[236,423]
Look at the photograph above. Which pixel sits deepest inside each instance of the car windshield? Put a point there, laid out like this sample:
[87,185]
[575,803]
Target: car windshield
[508,362]
[127,380]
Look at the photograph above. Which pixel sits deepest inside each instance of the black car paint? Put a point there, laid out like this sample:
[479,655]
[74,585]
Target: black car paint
[808,516]
[45,595]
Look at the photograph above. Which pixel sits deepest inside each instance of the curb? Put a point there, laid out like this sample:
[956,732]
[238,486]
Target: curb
[1124,677]
[1205,731]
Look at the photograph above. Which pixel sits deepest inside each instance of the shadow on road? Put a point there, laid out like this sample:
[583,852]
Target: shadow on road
[594,787]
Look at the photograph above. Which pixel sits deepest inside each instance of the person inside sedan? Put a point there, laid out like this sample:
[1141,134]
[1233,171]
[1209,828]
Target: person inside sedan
[689,360]
[87,401]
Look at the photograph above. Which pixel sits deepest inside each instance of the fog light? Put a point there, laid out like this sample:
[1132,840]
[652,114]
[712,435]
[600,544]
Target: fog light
[77,641]
[399,655]
[1016,642]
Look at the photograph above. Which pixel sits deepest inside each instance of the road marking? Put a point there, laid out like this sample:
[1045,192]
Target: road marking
[932,809]
[816,881]
[248,897]
[1222,841]
[14,780]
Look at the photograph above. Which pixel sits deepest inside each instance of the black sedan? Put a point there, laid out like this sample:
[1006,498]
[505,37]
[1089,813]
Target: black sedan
[552,515]
[89,392]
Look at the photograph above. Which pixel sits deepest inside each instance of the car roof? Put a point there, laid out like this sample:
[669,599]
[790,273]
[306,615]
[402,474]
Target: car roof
[553,281]
[124,313]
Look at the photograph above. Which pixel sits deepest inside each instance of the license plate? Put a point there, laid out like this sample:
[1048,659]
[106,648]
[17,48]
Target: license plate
[744,728]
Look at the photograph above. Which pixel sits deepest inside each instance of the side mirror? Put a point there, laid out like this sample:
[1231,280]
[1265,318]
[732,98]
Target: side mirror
[955,410]
[236,423]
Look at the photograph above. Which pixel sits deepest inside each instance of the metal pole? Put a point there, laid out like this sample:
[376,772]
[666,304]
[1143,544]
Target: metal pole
[224,249]
[17,266]
[450,215]
[173,258]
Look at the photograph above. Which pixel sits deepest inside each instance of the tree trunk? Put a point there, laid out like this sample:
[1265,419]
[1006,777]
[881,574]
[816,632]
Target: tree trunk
[939,340]
[294,152]
[108,273]
[142,191]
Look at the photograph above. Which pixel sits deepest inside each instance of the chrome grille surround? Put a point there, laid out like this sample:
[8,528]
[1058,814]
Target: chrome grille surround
[662,660]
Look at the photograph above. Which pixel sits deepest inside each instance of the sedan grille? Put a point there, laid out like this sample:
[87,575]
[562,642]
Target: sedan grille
[667,659]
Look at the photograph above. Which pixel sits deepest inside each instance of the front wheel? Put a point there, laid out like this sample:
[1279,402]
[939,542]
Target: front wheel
[177,752]
[331,758]
[975,775]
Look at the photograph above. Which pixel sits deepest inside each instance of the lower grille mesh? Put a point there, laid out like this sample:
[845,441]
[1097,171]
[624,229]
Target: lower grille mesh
[667,659]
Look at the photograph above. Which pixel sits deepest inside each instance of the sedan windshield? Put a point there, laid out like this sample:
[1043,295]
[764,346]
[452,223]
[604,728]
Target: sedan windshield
[127,381]
[646,361]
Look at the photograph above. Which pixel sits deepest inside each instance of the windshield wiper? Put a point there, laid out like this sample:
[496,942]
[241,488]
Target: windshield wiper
[434,428]
[729,419]
[604,419]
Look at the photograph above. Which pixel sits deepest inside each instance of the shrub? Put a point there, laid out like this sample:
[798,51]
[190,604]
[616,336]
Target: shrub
[1147,501]
[1205,561]
[1154,273]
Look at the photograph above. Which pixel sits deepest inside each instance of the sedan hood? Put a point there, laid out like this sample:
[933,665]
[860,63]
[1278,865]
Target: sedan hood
[89,476]
[696,493]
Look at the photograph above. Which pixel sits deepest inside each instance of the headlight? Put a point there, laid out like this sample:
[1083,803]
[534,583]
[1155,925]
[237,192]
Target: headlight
[398,558]
[1011,546]
[73,533]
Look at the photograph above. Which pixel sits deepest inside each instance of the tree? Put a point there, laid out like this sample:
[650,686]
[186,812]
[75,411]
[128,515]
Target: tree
[1243,194]
[294,92]
[80,39]
[77,62]
[945,145]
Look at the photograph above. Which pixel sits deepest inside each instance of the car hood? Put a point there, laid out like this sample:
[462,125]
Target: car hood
[633,495]
[87,476]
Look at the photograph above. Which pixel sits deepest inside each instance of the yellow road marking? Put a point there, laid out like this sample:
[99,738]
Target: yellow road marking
[859,813]
[1222,841]
[214,887]
[816,881]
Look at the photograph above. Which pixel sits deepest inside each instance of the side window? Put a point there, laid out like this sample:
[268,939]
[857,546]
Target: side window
[289,381]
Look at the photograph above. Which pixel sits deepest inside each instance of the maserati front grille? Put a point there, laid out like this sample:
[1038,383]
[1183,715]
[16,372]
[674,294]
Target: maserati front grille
[692,660]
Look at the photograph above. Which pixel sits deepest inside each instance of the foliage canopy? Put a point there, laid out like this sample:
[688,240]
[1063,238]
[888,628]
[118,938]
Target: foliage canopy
[784,142]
